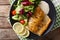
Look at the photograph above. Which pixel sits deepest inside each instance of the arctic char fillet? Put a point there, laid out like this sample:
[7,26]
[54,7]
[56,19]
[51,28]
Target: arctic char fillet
[35,20]
[44,25]
[39,22]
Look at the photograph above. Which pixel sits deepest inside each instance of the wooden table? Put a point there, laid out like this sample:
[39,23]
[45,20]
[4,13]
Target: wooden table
[6,32]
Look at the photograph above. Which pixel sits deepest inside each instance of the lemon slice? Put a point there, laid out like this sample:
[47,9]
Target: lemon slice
[18,28]
[23,33]
[27,34]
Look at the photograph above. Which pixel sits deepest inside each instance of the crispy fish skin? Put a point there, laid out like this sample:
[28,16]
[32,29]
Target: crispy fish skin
[45,23]
[35,20]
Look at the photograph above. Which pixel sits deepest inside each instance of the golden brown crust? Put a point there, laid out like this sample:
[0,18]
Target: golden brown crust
[45,25]
[35,20]
[39,22]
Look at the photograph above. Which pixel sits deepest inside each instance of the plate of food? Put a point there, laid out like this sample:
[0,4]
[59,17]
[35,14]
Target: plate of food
[32,18]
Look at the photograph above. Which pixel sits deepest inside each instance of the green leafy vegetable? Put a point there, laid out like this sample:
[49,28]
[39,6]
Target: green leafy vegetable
[16,17]
[29,8]
[32,1]
[25,22]
[18,8]
[19,1]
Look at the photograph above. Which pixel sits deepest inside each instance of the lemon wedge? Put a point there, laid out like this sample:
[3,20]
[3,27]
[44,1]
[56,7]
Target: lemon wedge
[18,28]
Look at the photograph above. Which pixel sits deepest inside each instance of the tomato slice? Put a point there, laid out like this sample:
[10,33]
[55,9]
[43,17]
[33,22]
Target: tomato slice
[13,12]
[22,21]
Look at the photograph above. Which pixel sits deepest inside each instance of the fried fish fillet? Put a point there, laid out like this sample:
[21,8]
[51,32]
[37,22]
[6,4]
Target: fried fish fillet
[39,22]
[35,20]
[44,25]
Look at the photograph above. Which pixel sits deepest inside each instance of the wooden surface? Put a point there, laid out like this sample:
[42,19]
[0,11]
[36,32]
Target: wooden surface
[6,32]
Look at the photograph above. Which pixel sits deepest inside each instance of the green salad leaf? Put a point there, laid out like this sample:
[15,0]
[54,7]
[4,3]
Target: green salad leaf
[32,1]
[19,1]
[16,17]
[25,22]
[18,8]
[29,8]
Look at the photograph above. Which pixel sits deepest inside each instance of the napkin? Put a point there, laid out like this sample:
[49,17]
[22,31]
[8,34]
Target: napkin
[57,7]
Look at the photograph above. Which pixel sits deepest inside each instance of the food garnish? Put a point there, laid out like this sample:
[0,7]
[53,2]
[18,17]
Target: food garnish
[20,30]
[13,12]
[23,33]
[27,34]
[22,21]
[18,27]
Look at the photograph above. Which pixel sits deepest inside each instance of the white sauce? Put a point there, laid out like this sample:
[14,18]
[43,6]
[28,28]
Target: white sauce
[44,6]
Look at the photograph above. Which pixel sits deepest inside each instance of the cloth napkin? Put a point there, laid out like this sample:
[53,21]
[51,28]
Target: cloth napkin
[57,23]
[57,7]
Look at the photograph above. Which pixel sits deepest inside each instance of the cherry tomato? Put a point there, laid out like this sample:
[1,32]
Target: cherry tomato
[22,21]
[13,12]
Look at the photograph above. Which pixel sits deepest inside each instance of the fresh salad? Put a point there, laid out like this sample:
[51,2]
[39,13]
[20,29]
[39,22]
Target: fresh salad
[23,11]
